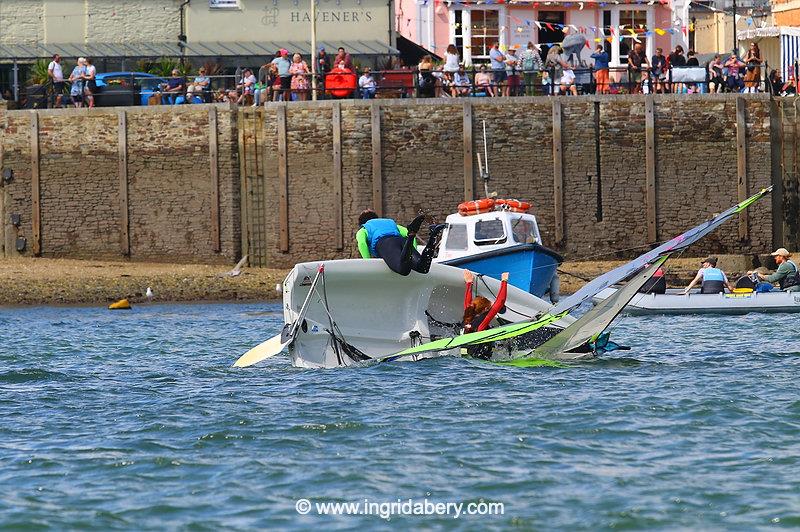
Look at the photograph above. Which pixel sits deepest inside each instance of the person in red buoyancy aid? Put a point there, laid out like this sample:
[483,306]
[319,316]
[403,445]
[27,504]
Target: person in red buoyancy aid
[479,312]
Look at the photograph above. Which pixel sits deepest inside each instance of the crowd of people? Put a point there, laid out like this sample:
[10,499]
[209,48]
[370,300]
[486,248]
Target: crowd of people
[526,73]
[288,76]
[513,72]
[82,82]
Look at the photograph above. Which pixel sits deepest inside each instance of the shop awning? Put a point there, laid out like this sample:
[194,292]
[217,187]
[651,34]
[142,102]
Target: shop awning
[10,52]
[769,31]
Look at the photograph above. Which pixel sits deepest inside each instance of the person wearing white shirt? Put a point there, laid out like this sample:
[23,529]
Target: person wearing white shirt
[451,59]
[367,85]
[645,82]
[56,75]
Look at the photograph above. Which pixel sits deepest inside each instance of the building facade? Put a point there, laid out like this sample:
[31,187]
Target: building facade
[473,26]
[786,12]
[37,22]
[289,21]
[33,22]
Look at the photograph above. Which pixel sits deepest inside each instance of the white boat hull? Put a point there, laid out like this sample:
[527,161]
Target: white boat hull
[380,312]
[674,302]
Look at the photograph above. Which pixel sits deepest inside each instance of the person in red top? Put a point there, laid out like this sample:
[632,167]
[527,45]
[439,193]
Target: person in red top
[479,312]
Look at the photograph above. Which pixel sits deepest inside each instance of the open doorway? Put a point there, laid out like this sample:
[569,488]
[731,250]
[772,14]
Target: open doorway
[548,36]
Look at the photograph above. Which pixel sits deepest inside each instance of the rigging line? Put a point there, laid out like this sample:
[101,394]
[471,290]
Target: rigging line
[605,253]
[585,257]
[330,318]
[575,275]
[336,334]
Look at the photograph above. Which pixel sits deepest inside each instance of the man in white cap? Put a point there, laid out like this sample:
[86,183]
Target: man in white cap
[787,275]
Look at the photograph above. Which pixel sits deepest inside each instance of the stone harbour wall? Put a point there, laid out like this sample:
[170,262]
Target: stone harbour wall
[404,156]
[607,176]
[121,182]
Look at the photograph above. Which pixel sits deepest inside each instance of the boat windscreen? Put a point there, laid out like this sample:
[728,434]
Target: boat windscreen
[489,232]
[524,231]
[456,237]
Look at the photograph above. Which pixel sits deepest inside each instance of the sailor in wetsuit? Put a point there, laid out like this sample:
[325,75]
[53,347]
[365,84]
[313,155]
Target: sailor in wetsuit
[479,312]
[713,279]
[787,275]
[384,238]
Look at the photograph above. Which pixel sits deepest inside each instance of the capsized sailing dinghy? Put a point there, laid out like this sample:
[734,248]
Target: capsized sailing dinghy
[641,269]
[360,310]
[740,302]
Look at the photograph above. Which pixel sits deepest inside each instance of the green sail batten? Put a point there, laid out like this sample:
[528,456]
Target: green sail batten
[496,334]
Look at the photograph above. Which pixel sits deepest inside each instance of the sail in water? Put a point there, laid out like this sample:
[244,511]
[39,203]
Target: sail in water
[569,303]
[591,325]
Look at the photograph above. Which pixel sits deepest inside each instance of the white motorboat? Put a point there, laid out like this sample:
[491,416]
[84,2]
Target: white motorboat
[362,310]
[498,239]
[675,302]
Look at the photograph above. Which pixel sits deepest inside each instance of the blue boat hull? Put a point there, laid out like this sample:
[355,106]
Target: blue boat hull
[531,266]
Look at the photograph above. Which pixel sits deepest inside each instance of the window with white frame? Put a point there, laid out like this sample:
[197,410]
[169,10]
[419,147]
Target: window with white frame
[636,20]
[485,26]
[473,30]
[223,4]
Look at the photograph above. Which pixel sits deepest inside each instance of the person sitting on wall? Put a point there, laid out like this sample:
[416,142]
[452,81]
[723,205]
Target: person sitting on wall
[712,278]
[367,85]
[173,88]
[384,238]
[787,275]
[461,83]
[483,82]
[734,81]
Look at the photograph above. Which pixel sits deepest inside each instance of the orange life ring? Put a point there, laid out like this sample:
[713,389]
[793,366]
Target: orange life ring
[515,205]
[469,208]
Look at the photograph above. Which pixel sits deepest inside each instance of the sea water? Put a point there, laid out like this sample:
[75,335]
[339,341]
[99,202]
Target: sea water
[136,420]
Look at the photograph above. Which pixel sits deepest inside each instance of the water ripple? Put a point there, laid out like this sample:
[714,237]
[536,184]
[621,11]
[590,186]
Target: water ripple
[137,421]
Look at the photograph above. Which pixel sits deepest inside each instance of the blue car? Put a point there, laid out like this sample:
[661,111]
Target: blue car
[115,89]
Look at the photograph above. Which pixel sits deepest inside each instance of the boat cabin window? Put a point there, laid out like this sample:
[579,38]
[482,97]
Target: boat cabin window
[524,231]
[488,232]
[456,236]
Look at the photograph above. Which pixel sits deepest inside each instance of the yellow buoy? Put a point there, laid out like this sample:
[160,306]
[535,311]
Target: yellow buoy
[122,304]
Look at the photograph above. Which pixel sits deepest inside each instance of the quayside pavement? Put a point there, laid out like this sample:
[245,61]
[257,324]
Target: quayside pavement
[46,281]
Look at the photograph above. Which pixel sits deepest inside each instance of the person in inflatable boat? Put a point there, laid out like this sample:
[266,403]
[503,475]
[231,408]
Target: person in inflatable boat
[396,245]
[712,279]
[787,275]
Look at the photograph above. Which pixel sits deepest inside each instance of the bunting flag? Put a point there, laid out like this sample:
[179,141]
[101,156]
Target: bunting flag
[621,32]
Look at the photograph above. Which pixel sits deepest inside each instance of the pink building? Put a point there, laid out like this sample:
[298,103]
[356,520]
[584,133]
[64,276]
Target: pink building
[474,25]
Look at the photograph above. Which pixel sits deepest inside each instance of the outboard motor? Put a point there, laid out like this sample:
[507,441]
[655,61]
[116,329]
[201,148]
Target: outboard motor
[753,283]
[747,281]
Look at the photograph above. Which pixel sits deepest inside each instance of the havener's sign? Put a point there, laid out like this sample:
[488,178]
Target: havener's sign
[332,16]
[289,20]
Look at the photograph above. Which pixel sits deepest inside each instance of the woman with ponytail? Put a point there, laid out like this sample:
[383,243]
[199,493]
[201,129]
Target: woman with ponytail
[479,312]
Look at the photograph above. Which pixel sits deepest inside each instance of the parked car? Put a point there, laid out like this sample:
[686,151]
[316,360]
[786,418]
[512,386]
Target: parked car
[126,88]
